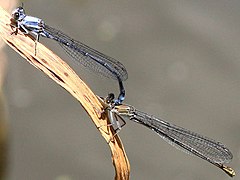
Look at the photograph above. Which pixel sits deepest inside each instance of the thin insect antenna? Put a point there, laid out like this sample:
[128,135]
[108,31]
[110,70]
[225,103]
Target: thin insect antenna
[22,7]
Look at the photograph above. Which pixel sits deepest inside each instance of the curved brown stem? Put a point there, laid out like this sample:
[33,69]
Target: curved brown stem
[59,71]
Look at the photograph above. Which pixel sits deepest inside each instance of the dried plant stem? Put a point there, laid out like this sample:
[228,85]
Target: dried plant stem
[54,67]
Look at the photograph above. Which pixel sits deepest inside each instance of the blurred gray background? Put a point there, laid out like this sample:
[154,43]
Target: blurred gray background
[183,60]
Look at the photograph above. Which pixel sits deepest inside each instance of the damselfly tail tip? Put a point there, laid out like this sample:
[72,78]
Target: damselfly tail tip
[228,170]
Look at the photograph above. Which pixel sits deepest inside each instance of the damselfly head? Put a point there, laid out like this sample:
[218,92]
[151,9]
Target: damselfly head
[109,99]
[18,14]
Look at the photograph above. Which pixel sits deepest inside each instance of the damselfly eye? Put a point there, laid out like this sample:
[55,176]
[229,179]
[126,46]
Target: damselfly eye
[16,16]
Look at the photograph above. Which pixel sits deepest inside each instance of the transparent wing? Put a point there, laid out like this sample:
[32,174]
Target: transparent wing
[183,139]
[88,57]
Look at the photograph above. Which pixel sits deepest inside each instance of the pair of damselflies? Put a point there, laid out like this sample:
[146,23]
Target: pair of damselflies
[181,138]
